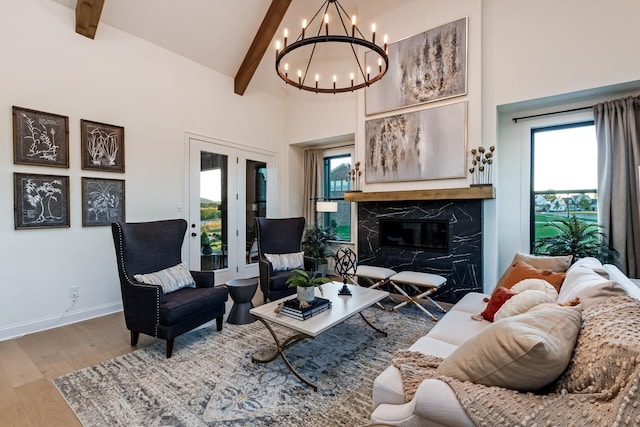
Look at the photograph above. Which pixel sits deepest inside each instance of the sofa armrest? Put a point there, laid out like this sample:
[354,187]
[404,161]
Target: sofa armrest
[436,401]
[140,302]
[397,415]
[203,279]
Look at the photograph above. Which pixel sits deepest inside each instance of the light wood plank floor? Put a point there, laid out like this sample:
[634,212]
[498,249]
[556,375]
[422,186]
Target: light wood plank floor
[28,364]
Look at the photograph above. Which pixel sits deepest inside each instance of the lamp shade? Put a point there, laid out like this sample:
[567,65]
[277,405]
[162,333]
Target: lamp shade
[326,206]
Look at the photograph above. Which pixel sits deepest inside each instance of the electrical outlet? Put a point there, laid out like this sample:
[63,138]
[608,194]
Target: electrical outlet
[74,293]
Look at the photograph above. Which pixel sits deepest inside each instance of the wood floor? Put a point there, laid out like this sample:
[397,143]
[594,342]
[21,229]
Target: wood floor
[28,364]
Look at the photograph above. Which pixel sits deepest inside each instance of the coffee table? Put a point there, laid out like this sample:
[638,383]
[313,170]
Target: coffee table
[342,308]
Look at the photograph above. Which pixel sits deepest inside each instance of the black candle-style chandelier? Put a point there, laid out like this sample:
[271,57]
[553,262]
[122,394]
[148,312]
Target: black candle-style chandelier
[358,78]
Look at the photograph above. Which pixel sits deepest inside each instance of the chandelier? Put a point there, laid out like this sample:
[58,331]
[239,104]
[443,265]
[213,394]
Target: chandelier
[303,49]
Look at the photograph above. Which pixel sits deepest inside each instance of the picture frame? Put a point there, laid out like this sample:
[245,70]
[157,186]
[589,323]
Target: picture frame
[40,138]
[436,58]
[427,144]
[40,201]
[102,146]
[103,201]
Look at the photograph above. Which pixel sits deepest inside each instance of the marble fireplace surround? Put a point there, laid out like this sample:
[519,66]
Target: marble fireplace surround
[461,265]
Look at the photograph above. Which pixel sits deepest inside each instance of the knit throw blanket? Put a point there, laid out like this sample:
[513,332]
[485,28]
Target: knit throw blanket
[600,387]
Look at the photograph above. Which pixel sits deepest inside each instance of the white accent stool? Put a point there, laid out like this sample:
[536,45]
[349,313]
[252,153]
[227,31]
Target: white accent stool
[375,276]
[416,279]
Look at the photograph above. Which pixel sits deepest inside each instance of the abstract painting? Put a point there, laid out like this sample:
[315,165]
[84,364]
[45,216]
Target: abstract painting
[423,68]
[425,144]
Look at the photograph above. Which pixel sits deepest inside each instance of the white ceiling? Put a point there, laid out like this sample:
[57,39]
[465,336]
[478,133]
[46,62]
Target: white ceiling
[214,33]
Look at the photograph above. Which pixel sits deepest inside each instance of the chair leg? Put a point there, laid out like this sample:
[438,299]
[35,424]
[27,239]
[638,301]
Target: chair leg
[134,338]
[169,347]
[219,323]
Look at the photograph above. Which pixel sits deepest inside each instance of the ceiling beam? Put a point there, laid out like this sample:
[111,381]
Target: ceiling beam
[88,16]
[260,43]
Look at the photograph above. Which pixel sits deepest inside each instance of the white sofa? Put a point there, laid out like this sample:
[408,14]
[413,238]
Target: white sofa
[435,403]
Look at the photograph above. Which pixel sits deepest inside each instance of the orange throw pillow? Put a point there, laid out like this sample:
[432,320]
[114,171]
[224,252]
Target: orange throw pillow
[498,298]
[521,270]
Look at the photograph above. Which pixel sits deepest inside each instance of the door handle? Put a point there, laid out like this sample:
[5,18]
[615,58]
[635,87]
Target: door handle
[193,234]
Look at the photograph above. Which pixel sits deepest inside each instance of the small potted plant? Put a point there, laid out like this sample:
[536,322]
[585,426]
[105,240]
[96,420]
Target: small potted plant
[306,284]
[205,242]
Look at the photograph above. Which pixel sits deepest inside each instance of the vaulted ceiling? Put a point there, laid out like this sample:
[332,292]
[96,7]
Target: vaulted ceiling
[215,33]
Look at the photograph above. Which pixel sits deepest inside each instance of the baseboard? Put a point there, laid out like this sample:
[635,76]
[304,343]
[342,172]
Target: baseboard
[20,329]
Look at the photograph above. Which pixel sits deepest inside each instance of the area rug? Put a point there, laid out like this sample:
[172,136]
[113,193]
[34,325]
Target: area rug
[211,380]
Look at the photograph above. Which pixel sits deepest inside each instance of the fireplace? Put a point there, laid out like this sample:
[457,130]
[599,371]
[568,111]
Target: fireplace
[433,236]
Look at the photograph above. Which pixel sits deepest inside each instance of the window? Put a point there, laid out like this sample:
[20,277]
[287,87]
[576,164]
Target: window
[336,182]
[564,169]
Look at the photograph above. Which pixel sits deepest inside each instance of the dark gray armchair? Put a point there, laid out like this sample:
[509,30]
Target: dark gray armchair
[279,236]
[148,247]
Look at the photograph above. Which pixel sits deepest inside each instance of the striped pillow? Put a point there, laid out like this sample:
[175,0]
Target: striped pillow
[171,279]
[285,262]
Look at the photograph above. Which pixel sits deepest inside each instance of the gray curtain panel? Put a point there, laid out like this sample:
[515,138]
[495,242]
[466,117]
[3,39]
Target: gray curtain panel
[618,134]
[312,187]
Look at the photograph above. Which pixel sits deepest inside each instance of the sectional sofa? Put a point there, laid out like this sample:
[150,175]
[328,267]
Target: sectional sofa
[468,393]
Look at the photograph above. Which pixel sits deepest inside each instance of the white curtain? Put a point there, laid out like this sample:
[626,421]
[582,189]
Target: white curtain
[312,184]
[618,134]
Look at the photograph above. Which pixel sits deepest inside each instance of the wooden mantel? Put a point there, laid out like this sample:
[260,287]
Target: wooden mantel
[480,192]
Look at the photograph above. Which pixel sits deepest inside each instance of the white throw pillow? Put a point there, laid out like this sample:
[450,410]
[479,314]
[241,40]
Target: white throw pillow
[521,303]
[171,279]
[588,280]
[285,262]
[525,352]
[536,285]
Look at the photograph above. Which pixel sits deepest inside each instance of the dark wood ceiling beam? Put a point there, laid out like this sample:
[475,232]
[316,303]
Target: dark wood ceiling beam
[88,16]
[260,43]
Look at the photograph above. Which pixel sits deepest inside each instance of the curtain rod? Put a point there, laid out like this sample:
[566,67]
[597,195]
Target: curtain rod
[515,119]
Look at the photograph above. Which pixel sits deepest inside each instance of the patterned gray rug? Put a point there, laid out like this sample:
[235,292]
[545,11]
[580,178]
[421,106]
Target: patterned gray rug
[211,381]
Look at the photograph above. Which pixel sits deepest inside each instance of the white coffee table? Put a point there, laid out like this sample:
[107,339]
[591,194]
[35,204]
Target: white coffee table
[342,307]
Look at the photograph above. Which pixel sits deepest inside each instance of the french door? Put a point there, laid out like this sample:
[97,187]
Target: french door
[227,190]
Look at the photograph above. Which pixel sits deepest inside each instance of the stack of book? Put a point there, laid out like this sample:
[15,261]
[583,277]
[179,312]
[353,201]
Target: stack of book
[292,308]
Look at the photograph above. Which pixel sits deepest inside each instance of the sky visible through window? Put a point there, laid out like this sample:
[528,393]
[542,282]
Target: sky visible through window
[566,159]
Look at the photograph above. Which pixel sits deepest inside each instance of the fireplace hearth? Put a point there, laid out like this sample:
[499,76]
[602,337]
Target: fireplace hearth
[433,236]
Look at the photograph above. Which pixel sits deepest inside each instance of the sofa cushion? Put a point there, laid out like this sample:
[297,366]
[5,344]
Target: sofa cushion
[171,279]
[186,302]
[285,262]
[525,352]
[521,270]
[557,264]
[497,300]
[588,280]
[456,327]
[607,351]
[472,302]
[522,302]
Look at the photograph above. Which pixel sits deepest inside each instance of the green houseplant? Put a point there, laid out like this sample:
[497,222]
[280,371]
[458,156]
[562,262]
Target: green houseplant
[316,242]
[306,284]
[575,237]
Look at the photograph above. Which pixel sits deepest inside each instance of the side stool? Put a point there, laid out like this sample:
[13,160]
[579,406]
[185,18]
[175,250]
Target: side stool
[241,292]
[375,276]
[417,279]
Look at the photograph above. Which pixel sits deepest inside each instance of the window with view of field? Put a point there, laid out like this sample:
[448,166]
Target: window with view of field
[564,177]
[336,182]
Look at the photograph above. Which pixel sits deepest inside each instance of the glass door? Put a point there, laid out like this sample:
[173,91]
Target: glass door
[228,190]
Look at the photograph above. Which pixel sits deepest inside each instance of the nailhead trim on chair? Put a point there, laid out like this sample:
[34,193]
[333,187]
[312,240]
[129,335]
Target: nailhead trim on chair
[157,288]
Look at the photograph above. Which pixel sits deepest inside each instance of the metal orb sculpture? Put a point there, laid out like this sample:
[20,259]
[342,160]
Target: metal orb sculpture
[346,261]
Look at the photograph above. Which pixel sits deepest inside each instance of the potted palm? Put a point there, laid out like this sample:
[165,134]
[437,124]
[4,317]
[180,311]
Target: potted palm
[306,284]
[316,244]
[575,237]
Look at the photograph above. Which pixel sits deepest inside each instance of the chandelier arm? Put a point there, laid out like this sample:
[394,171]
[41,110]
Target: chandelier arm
[306,71]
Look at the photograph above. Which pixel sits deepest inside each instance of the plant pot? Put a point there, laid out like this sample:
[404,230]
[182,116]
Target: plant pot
[306,294]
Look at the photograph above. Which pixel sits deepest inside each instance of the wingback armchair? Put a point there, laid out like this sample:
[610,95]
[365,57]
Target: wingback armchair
[145,248]
[279,236]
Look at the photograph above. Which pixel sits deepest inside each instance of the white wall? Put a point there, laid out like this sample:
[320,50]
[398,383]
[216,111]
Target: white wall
[546,56]
[117,79]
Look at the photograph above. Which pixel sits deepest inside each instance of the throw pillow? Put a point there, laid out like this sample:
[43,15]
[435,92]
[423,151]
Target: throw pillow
[498,298]
[585,281]
[171,279]
[284,262]
[536,285]
[522,302]
[607,353]
[557,264]
[525,352]
[521,270]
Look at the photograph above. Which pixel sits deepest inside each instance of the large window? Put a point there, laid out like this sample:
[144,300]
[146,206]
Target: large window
[336,182]
[564,176]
